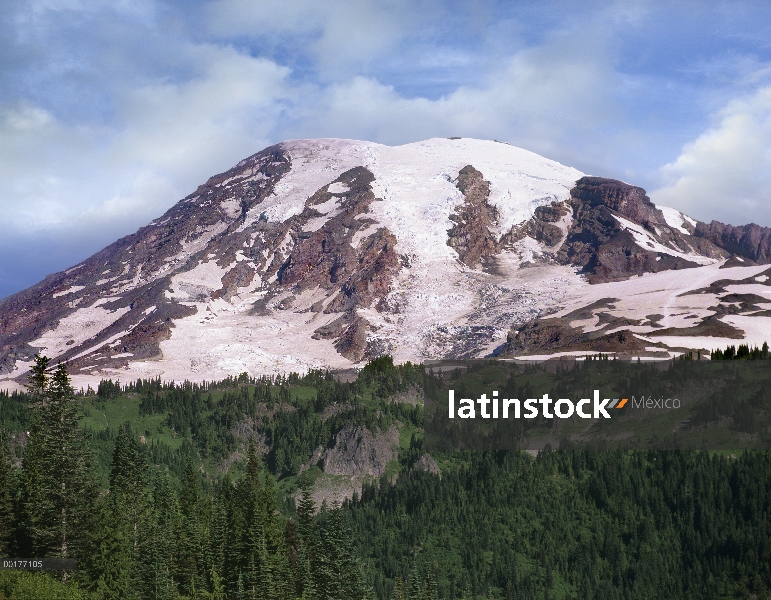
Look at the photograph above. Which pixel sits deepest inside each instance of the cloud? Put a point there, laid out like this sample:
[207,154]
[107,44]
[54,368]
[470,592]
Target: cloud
[207,121]
[536,100]
[338,35]
[725,174]
[36,152]
[166,138]
[110,112]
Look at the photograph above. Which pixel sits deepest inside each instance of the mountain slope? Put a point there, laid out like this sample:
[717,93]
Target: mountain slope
[323,253]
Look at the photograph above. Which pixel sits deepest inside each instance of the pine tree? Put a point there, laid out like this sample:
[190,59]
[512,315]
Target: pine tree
[218,540]
[398,593]
[59,485]
[308,560]
[217,585]
[39,377]
[430,589]
[191,568]
[7,525]
[113,563]
[157,535]
[415,587]
[256,572]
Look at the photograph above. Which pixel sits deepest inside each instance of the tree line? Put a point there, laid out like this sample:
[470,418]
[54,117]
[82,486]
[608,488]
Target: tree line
[493,525]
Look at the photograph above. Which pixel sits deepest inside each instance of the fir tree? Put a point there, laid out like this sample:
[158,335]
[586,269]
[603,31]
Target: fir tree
[39,377]
[59,485]
[398,593]
[157,536]
[191,567]
[7,525]
[308,560]
[113,564]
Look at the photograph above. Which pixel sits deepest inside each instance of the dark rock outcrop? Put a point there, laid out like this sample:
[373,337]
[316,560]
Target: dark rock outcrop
[623,199]
[752,241]
[605,250]
[328,258]
[542,227]
[546,335]
[137,269]
[470,236]
[358,452]
[361,274]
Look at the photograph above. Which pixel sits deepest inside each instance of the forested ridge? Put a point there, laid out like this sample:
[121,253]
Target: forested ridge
[165,490]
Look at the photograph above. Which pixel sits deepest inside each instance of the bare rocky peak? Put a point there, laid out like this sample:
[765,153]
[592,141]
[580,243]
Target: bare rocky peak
[316,253]
[751,242]
[607,249]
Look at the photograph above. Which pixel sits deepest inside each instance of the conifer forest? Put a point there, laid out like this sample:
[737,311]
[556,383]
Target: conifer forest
[166,490]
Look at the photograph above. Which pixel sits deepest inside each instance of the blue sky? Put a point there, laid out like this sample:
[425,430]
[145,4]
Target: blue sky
[111,111]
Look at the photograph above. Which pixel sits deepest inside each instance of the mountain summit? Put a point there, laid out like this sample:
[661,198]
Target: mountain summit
[324,253]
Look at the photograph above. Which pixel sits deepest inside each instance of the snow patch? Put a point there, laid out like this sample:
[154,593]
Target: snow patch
[675,219]
[77,328]
[646,241]
[338,188]
[70,290]
[231,207]
[201,280]
[102,344]
[328,206]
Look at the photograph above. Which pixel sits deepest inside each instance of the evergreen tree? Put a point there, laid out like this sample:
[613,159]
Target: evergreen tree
[218,539]
[191,551]
[122,514]
[398,593]
[59,488]
[7,523]
[256,571]
[430,589]
[156,547]
[308,560]
[415,587]
[39,377]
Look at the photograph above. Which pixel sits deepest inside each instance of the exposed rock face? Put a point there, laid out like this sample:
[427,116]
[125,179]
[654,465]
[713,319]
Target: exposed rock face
[176,242]
[545,335]
[324,253]
[752,241]
[428,464]
[542,225]
[358,452]
[606,250]
[357,274]
[621,257]
[471,236]
[624,199]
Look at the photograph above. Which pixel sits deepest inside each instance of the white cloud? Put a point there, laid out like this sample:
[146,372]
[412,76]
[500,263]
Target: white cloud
[206,122]
[541,96]
[339,34]
[725,174]
[167,138]
[36,152]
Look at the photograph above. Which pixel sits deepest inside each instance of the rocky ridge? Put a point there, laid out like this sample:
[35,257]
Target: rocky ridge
[319,253]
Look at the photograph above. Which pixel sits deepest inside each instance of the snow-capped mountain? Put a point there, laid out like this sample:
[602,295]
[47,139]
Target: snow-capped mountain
[323,253]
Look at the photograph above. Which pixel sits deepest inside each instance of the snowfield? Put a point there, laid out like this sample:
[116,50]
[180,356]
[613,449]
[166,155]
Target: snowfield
[437,306]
